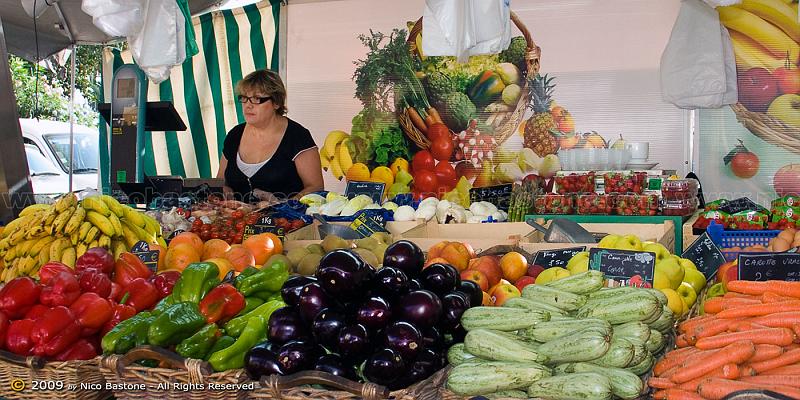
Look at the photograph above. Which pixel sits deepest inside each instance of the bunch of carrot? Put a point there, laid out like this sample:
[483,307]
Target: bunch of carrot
[748,339]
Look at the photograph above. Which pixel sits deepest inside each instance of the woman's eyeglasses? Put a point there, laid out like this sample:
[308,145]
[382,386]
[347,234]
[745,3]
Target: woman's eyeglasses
[254,99]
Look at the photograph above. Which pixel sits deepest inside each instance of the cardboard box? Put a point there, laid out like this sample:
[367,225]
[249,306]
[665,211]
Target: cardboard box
[660,233]
[516,231]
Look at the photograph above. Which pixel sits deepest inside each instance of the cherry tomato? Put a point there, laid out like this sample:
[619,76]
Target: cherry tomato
[197,222]
[240,225]
[205,235]
[425,181]
[238,214]
[423,161]
[442,149]
[446,175]
[238,239]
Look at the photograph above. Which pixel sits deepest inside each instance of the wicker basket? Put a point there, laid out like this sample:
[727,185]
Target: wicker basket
[770,129]
[507,128]
[73,380]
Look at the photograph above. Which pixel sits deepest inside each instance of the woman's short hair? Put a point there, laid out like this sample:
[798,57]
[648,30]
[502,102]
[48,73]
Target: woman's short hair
[267,82]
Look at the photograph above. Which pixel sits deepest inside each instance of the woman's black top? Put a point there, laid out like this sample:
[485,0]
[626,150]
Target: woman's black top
[279,175]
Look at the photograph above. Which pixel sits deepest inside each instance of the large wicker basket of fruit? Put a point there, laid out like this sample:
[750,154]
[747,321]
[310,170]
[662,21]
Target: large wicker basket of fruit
[497,98]
[769,128]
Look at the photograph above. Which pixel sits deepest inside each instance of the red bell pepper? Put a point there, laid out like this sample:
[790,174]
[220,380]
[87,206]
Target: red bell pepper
[97,259]
[129,267]
[165,281]
[51,270]
[82,350]
[18,338]
[62,290]
[55,331]
[35,312]
[121,312]
[143,295]
[116,293]
[221,303]
[96,282]
[17,296]
[91,312]
[4,323]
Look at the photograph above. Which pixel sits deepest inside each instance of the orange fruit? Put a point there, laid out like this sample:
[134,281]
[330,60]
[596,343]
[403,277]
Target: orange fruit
[214,248]
[223,264]
[180,256]
[188,238]
[240,257]
[263,246]
[383,174]
[162,256]
[514,266]
[358,172]
[487,300]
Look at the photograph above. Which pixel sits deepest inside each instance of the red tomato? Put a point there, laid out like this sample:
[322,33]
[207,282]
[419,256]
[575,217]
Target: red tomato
[425,181]
[238,214]
[423,161]
[438,131]
[446,175]
[442,149]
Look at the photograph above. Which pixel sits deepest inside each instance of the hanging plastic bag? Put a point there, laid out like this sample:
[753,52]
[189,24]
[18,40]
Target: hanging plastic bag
[463,28]
[115,17]
[698,69]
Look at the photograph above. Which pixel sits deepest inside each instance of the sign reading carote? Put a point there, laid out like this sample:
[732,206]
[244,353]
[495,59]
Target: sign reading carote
[624,267]
[372,189]
[705,255]
[556,257]
[766,267]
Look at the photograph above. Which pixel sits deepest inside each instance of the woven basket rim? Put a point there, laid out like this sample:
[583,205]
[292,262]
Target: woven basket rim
[768,128]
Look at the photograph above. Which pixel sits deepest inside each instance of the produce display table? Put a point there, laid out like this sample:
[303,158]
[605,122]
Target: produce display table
[677,222]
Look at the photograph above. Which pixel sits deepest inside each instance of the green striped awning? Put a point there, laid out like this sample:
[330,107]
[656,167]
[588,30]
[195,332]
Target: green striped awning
[232,43]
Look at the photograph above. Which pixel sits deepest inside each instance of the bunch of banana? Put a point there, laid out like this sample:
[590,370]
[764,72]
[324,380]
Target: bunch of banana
[335,155]
[764,33]
[65,230]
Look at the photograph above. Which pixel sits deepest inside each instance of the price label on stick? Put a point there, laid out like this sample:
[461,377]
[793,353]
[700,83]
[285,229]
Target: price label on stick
[771,266]
[705,255]
[263,225]
[557,257]
[624,267]
[149,257]
[372,189]
[499,195]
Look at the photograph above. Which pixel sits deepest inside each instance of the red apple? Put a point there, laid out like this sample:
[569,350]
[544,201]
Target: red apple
[446,175]
[787,180]
[490,268]
[535,270]
[487,300]
[757,88]
[477,277]
[524,281]
[788,78]
[745,164]
[422,161]
[503,292]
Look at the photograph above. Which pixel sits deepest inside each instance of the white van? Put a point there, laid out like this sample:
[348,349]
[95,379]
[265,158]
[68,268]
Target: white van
[51,140]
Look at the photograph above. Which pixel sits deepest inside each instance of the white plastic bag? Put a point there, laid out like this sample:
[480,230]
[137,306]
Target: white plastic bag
[698,69]
[115,17]
[463,28]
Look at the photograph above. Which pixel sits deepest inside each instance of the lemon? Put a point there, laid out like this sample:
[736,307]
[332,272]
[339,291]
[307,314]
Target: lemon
[551,274]
[383,174]
[674,301]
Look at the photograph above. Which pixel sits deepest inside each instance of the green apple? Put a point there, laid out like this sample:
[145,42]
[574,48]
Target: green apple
[787,109]
[674,301]
[398,188]
[551,274]
[695,279]
[660,280]
[578,266]
[672,269]
[716,290]
[608,242]
[688,264]
[688,295]
[403,177]
[658,248]
[629,242]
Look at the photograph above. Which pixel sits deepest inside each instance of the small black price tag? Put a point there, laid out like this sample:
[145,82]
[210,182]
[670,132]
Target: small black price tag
[372,189]
[626,268]
[772,266]
[176,232]
[499,195]
[557,257]
[148,257]
[255,229]
[705,255]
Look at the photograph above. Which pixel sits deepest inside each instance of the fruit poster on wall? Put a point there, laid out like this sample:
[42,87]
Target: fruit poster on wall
[753,147]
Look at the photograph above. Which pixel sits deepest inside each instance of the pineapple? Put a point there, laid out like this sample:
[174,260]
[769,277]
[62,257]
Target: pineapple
[539,127]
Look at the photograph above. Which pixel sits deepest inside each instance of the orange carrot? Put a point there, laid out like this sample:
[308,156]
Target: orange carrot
[713,305]
[660,395]
[730,295]
[776,336]
[718,304]
[793,369]
[796,330]
[727,371]
[660,383]
[787,358]
[747,370]
[756,310]
[788,380]
[779,320]
[678,394]
[770,297]
[673,359]
[783,288]
[746,325]
[716,388]
[690,323]
[416,119]
[681,341]
[435,114]
[712,327]
[736,353]
[766,352]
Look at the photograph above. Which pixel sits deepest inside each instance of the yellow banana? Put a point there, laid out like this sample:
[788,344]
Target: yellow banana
[152,226]
[65,202]
[116,224]
[4,272]
[91,235]
[34,208]
[777,12]
[345,160]
[34,228]
[161,242]
[17,237]
[101,222]
[140,233]
[69,256]
[44,254]
[47,218]
[74,238]
[118,247]
[129,236]
[4,244]
[26,266]
[324,161]
[333,139]
[750,54]
[95,203]
[75,221]
[80,249]
[93,244]
[16,224]
[57,248]
[24,248]
[10,273]
[61,221]
[113,205]
[135,217]
[771,37]
[336,168]
[104,241]
[40,245]
[84,229]
[10,255]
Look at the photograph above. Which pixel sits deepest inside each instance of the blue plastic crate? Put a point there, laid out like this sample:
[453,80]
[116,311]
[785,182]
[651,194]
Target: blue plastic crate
[728,239]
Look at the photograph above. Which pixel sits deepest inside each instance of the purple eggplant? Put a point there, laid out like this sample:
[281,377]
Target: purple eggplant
[414,285]
[454,304]
[374,313]
[440,278]
[286,325]
[312,300]
[344,275]
[426,364]
[335,365]
[353,342]
[384,367]
[290,292]
[405,256]
[297,355]
[261,360]
[422,308]
[403,338]
[473,292]
[326,327]
[433,339]
[390,282]
[456,335]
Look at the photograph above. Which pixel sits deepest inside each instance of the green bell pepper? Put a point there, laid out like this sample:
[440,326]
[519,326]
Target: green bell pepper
[269,279]
[275,297]
[177,322]
[486,87]
[244,274]
[265,295]
[232,357]
[127,334]
[163,304]
[195,281]
[235,326]
[222,343]
[250,304]
[197,345]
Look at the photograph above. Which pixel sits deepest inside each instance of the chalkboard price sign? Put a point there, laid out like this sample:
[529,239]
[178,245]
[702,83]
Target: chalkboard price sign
[366,223]
[371,189]
[557,257]
[705,255]
[499,195]
[149,257]
[263,225]
[624,267]
[742,204]
[773,266]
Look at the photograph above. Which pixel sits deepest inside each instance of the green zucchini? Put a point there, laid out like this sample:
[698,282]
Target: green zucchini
[507,394]
[640,352]
[637,306]
[662,298]
[633,331]
[656,315]
[526,304]
[643,367]
[583,283]
[457,355]
[498,346]
[607,293]
[656,342]
[582,386]
[585,345]
[501,318]
[550,330]
[490,377]
[619,354]
[665,322]
[624,384]
[554,297]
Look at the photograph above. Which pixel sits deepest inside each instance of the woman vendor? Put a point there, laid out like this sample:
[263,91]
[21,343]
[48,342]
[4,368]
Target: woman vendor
[269,157]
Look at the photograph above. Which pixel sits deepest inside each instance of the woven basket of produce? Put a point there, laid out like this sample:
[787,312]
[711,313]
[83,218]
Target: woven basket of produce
[488,98]
[768,128]
[34,378]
